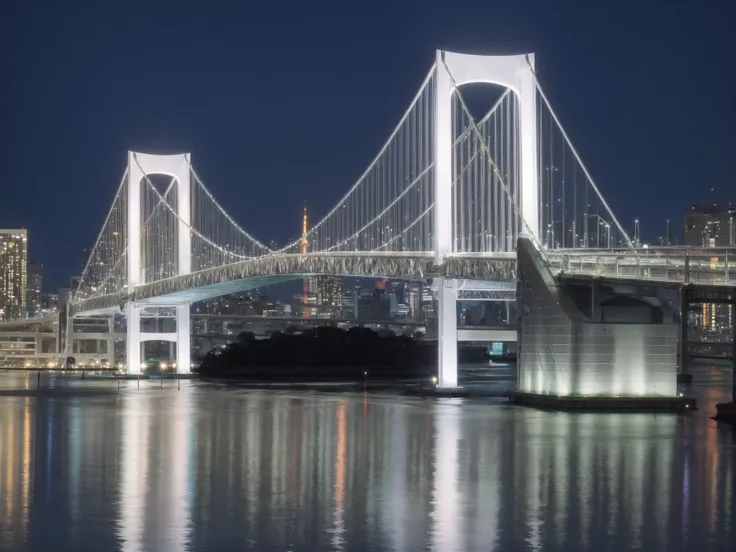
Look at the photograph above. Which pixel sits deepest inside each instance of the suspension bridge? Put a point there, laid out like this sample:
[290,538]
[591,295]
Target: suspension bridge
[446,198]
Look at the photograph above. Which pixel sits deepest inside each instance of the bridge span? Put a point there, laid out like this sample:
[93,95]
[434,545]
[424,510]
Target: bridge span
[449,197]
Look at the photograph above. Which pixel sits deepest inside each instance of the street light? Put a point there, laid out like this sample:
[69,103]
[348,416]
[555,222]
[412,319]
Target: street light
[636,232]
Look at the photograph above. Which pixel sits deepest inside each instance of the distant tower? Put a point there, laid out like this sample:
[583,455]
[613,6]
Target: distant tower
[305,297]
[304,230]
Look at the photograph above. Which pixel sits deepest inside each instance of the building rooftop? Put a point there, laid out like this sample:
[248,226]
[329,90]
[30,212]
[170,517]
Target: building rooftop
[713,209]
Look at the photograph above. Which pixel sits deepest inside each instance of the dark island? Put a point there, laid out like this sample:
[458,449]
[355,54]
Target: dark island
[322,354]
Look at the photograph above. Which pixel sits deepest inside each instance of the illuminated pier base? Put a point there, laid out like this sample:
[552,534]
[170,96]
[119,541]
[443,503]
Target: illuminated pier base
[133,339]
[183,340]
[587,338]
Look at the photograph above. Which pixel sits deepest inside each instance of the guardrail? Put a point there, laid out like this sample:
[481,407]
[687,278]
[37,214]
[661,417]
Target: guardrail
[715,267]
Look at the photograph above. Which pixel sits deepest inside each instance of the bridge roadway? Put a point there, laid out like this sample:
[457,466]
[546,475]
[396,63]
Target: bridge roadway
[666,266]
[273,269]
[662,266]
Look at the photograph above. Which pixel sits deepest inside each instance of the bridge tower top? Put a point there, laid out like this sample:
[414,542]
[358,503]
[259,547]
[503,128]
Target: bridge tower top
[140,167]
[514,72]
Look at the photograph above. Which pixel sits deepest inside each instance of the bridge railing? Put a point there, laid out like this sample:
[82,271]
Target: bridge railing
[670,265]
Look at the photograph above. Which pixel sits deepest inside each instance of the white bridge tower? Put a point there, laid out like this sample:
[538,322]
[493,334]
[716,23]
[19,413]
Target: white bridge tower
[140,166]
[454,70]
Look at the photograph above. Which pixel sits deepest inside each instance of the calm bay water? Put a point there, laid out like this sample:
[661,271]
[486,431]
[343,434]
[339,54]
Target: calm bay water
[85,466]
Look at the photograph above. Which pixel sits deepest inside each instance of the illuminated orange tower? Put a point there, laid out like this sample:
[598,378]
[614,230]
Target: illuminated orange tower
[304,230]
[305,296]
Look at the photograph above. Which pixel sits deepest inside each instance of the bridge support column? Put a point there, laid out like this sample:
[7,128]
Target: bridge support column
[684,317]
[447,332]
[183,340]
[111,341]
[133,339]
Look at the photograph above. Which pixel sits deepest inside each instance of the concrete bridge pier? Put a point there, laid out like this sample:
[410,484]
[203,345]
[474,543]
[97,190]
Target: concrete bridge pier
[135,338]
[727,411]
[585,343]
[446,332]
[111,340]
[183,339]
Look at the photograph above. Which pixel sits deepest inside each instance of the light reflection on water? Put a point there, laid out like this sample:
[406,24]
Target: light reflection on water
[84,466]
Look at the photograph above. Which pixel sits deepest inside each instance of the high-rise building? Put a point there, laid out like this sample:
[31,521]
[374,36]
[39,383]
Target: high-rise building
[33,288]
[374,305]
[13,273]
[325,291]
[414,300]
[396,291]
[428,303]
[49,303]
[349,302]
[708,227]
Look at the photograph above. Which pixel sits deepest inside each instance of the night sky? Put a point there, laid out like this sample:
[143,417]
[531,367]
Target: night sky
[279,102]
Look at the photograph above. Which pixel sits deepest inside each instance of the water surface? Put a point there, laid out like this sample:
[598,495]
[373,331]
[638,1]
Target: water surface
[85,466]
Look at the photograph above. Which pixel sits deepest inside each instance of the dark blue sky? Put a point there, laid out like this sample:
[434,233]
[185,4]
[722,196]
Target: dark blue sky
[285,101]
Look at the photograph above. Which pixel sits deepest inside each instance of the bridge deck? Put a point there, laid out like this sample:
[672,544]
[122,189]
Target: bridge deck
[715,267]
[666,266]
[272,269]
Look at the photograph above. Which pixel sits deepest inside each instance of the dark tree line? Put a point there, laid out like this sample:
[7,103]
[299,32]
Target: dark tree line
[323,353]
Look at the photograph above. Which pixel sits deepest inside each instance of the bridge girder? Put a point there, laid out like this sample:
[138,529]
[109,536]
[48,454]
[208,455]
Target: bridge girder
[272,269]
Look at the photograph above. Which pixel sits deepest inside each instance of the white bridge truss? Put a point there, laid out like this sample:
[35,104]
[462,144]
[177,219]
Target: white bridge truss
[445,198]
